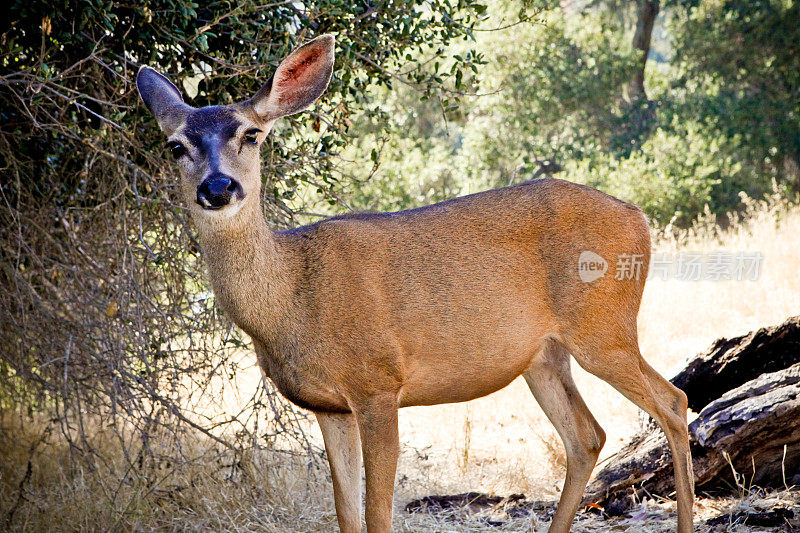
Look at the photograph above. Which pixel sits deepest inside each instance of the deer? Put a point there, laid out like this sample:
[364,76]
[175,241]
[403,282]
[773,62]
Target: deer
[358,315]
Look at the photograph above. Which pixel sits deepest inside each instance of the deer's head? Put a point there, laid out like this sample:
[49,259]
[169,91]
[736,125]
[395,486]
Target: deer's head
[217,147]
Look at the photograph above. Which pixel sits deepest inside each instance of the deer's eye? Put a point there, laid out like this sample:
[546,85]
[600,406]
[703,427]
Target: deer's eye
[177,149]
[251,136]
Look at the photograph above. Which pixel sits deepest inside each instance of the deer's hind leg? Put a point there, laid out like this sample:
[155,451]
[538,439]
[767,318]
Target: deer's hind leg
[618,362]
[550,381]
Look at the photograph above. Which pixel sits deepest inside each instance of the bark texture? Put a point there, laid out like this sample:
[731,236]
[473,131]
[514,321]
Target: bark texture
[730,363]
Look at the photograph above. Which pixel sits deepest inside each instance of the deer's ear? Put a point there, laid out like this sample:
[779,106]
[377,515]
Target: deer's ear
[300,79]
[162,98]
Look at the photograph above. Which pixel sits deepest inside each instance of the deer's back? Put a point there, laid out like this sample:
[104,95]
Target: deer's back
[545,223]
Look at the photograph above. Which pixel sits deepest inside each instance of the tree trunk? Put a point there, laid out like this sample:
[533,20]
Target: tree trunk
[646,18]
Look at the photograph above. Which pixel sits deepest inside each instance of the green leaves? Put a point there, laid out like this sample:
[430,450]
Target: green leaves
[219,53]
[742,63]
[725,80]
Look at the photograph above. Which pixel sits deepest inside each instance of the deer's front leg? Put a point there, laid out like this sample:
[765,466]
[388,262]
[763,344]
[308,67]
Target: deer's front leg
[342,442]
[377,422]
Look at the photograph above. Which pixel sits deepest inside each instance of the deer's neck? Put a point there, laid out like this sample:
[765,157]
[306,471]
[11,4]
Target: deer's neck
[248,272]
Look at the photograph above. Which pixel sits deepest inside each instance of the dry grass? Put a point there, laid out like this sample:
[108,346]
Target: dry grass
[500,444]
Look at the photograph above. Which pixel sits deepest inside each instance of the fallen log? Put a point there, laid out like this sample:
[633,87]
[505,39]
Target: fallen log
[747,435]
[730,363]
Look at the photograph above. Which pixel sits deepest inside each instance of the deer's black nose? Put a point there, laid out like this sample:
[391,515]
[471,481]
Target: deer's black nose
[217,190]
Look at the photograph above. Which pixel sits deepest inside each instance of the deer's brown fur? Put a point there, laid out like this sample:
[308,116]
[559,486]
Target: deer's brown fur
[356,316]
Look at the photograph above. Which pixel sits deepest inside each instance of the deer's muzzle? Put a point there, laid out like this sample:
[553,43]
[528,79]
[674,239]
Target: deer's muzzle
[217,191]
